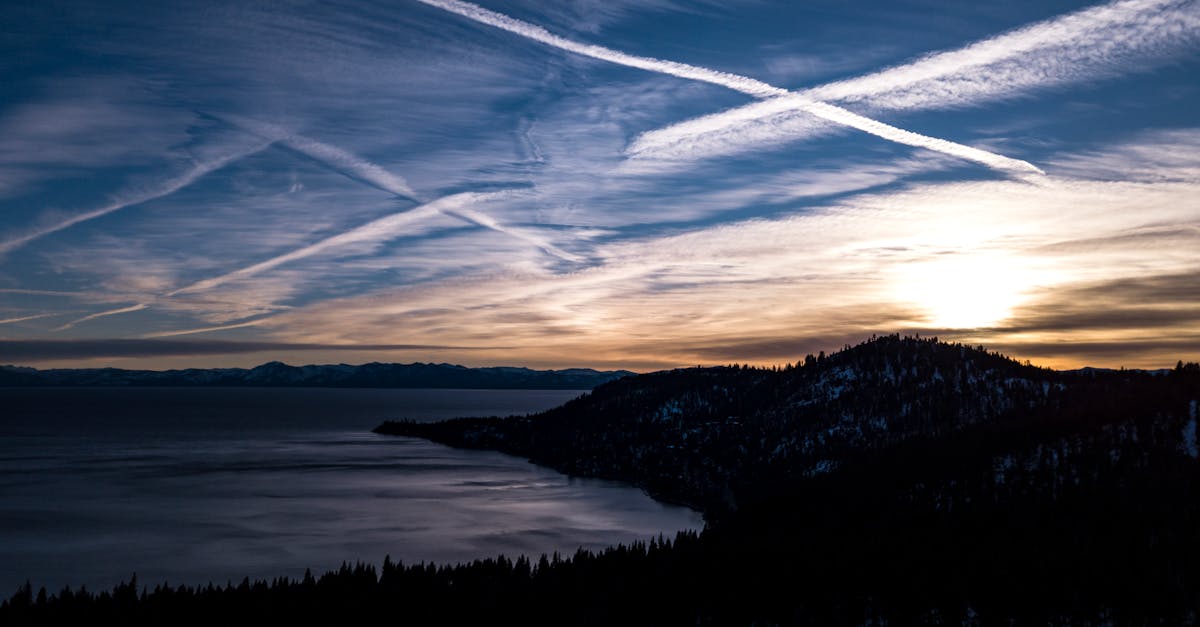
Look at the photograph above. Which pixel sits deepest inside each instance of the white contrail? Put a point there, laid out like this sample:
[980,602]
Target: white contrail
[384,228]
[135,198]
[480,218]
[13,290]
[1080,46]
[360,168]
[375,230]
[224,327]
[102,314]
[332,156]
[743,84]
[24,318]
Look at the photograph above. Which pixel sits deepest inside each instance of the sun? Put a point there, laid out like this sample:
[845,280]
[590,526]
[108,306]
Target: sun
[965,292]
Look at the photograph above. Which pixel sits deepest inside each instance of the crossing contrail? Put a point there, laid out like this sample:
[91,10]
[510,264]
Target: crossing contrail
[743,84]
[1080,46]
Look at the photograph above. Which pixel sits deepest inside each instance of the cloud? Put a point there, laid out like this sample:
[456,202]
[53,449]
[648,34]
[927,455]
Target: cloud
[1158,156]
[1145,303]
[1086,45]
[44,350]
[894,259]
[15,290]
[1151,351]
[743,84]
[69,127]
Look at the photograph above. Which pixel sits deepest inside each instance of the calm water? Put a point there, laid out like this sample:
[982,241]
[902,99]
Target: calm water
[197,485]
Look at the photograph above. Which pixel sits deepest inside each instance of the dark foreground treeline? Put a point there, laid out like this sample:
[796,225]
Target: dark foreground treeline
[845,550]
[900,482]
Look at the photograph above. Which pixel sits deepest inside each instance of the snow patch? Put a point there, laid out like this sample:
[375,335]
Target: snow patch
[823,466]
[1190,445]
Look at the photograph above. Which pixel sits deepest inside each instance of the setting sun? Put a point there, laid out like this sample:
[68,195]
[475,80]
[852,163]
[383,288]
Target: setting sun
[965,292]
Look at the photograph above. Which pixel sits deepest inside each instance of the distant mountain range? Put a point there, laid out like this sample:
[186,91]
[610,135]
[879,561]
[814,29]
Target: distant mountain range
[277,374]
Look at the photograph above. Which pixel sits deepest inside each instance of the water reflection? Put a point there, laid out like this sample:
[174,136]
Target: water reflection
[98,484]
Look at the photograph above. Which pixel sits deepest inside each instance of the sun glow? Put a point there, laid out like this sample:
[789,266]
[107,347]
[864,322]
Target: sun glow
[961,292]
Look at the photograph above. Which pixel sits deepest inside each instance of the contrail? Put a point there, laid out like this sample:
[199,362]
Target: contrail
[387,227]
[478,217]
[1080,46]
[164,189]
[12,290]
[224,327]
[743,84]
[375,230]
[329,155]
[1073,47]
[24,318]
[102,314]
[364,170]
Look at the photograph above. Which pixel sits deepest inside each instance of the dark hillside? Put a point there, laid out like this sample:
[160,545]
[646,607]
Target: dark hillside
[712,436]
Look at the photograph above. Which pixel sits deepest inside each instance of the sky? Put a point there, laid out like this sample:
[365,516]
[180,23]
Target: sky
[587,183]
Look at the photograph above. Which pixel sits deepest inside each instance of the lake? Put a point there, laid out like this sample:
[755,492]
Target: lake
[191,485]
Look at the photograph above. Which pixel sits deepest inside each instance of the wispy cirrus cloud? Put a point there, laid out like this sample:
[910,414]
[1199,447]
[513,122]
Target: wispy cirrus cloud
[603,255]
[1083,46]
[974,261]
[44,350]
[743,84]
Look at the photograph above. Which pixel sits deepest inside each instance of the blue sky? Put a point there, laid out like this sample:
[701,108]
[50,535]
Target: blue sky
[632,184]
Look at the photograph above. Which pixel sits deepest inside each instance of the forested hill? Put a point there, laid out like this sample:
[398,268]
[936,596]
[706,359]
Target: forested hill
[718,437]
[277,374]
